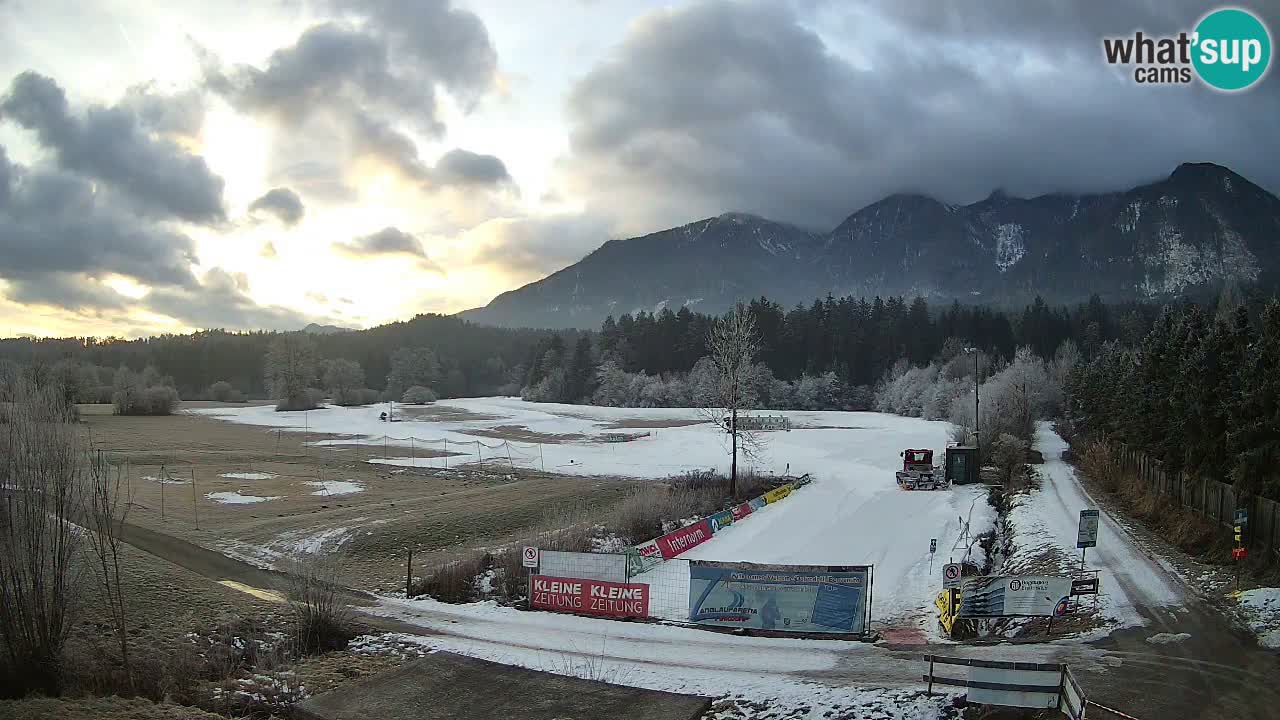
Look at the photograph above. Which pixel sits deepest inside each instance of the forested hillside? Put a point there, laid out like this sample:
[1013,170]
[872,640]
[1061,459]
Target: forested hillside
[471,359]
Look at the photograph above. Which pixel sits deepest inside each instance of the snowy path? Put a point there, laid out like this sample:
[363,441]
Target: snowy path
[1130,580]
[817,674]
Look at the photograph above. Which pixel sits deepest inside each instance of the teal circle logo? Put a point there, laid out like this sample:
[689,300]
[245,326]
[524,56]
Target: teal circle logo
[1232,49]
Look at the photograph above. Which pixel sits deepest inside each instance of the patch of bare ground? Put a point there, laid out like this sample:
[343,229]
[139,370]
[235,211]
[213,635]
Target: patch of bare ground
[654,423]
[428,509]
[439,413]
[522,434]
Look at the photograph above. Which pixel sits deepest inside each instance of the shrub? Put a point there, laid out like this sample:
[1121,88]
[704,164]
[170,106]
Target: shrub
[418,395]
[321,619]
[221,391]
[159,400]
[308,399]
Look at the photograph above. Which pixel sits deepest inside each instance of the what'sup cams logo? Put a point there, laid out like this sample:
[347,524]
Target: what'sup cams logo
[1229,49]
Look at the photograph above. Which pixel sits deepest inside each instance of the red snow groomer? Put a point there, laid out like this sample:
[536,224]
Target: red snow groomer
[918,472]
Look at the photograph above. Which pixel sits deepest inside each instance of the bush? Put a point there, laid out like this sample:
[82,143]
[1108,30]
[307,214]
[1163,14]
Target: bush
[154,400]
[321,619]
[418,395]
[308,399]
[222,391]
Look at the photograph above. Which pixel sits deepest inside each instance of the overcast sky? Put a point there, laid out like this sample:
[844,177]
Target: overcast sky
[190,164]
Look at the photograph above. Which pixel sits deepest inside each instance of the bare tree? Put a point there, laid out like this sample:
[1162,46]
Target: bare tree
[43,483]
[290,368]
[733,342]
[105,511]
[344,379]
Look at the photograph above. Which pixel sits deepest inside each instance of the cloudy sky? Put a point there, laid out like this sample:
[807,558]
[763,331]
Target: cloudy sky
[194,164]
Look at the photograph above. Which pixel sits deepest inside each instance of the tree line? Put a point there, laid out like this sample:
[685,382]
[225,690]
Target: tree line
[831,354]
[1200,392]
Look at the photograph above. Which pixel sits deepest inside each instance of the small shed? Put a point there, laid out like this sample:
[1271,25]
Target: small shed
[961,465]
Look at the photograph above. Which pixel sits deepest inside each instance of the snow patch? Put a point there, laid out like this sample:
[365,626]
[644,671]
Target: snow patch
[335,487]
[1261,608]
[249,475]
[235,498]
[1168,638]
[1010,246]
[167,480]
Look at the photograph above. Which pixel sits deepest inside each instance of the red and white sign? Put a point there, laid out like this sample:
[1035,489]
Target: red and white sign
[741,511]
[590,597]
[649,549]
[529,558]
[686,538]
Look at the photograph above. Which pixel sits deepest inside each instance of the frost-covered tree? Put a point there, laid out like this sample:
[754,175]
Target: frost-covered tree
[344,379]
[733,343]
[412,366]
[290,370]
[418,395]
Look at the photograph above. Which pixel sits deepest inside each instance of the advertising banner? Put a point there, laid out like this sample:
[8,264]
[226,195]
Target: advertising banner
[777,494]
[757,502]
[741,511]
[590,597]
[790,598]
[643,557]
[1021,596]
[584,566]
[678,541]
[721,520]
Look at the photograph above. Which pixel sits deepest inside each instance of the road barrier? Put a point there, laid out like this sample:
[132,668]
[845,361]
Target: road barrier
[1011,684]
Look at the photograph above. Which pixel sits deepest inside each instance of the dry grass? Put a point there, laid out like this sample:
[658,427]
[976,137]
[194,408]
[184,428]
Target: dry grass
[99,708]
[1187,530]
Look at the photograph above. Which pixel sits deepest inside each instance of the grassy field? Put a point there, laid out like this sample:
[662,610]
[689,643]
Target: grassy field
[433,511]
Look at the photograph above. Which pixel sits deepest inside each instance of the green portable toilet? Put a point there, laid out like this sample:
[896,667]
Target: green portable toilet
[962,465]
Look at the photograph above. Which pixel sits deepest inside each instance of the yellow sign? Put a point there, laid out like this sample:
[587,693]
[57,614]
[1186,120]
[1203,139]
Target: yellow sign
[948,608]
[777,494]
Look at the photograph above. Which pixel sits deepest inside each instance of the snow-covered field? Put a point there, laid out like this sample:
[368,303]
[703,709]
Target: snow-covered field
[825,444]
[852,514]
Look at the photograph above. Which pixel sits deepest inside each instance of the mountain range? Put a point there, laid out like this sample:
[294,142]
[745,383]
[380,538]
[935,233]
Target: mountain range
[1195,229]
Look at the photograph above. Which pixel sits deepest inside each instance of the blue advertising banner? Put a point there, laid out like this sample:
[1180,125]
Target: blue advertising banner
[721,520]
[757,502]
[787,598]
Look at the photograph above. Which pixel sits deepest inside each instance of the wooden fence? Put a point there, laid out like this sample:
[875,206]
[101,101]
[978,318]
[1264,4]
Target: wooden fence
[1210,498]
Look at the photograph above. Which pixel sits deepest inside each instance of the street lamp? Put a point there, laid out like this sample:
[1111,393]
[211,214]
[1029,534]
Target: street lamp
[977,435]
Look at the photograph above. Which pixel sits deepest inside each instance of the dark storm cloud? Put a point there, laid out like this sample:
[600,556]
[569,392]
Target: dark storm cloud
[71,291]
[57,222]
[112,145]
[723,106]
[282,203]
[447,44]
[221,301]
[461,167]
[388,241]
[359,85]
[329,62]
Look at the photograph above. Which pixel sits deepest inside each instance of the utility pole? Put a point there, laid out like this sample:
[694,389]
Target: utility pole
[977,432]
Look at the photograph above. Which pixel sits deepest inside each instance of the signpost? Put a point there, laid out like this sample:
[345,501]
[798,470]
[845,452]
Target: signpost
[1238,552]
[933,548]
[951,575]
[1084,586]
[529,559]
[1087,536]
